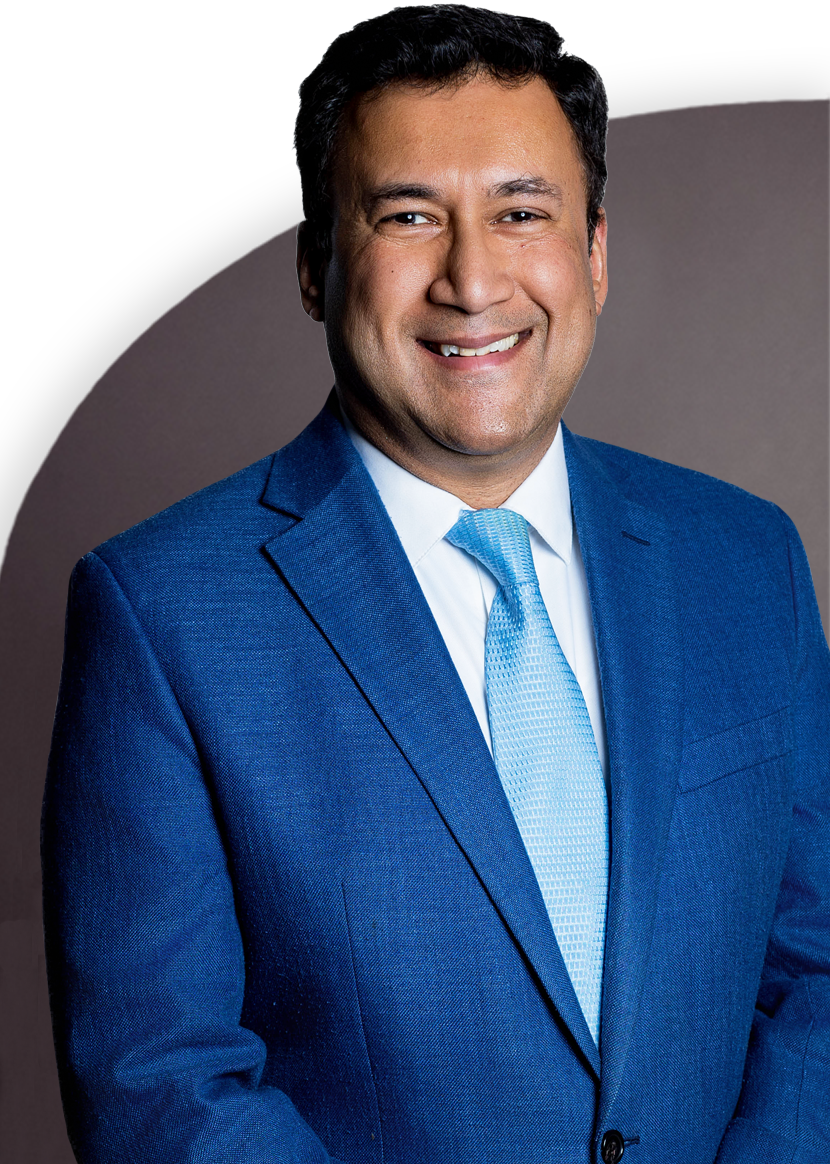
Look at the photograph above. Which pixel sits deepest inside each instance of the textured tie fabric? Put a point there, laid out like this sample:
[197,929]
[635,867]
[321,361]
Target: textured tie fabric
[544,749]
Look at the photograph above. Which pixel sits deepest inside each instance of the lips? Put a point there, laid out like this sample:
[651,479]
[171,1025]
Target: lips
[474,346]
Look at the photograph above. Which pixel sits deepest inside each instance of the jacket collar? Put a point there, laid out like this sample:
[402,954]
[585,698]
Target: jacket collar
[422,513]
[628,554]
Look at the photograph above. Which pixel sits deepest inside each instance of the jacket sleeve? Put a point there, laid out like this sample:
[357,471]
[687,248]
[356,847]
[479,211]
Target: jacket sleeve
[145,957]
[784,1109]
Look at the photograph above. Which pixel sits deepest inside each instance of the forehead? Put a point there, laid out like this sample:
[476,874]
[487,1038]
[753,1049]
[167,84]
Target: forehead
[471,133]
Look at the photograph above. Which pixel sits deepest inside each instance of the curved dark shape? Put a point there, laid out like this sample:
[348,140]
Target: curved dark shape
[104,326]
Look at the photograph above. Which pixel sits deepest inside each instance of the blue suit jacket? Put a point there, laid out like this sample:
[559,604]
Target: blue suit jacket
[288,910]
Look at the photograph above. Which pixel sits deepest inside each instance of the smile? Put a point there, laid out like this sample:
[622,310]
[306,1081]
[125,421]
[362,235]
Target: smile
[499,345]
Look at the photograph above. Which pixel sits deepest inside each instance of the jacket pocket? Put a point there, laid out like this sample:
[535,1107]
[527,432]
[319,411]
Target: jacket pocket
[710,759]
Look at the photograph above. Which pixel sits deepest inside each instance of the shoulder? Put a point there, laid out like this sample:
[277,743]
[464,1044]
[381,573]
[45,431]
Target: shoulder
[692,504]
[209,523]
[242,512]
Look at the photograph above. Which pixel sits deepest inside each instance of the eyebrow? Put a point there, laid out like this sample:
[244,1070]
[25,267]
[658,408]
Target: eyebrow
[529,184]
[397,192]
[403,191]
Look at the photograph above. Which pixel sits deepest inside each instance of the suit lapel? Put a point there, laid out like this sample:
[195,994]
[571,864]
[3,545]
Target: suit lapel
[345,565]
[627,551]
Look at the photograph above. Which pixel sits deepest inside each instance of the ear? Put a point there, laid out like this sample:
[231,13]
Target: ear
[311,273]
[598,260]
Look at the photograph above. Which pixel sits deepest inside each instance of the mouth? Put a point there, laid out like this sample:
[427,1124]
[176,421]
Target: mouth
[467,346]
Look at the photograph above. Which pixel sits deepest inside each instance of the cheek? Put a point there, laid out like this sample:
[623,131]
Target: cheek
[556,278]
[388,285]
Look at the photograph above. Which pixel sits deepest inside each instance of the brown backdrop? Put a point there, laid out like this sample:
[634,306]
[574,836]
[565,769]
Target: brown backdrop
[712,352]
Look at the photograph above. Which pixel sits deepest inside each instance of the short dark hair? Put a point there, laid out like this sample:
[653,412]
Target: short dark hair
[436,46]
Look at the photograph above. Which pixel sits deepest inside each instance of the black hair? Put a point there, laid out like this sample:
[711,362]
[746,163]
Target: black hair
[436,46]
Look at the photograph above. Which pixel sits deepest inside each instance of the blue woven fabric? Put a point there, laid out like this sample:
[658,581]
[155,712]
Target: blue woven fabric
[289,915]
[544,749]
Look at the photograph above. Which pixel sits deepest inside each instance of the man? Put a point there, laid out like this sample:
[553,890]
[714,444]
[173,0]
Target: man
[446,786]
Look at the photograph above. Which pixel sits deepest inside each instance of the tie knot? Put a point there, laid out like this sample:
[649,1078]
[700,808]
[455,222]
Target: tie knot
[500,541]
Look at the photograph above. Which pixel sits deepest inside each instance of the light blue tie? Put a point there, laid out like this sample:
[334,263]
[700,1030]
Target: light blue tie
[544,749]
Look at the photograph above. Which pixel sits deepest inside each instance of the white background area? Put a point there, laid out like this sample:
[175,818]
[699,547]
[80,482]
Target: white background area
[146,146]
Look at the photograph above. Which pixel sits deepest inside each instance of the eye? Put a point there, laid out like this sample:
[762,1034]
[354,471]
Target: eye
[408,218]
[520,216]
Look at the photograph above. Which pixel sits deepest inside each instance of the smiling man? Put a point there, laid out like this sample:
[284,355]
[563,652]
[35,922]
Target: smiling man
[465,278]
[445,787]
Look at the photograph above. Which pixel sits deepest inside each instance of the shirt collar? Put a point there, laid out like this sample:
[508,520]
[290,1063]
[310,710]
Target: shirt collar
[422,513]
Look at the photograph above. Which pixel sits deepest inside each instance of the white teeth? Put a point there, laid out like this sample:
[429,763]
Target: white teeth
[501,345]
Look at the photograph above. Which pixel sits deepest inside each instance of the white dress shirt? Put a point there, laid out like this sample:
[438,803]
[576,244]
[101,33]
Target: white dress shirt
[459,590]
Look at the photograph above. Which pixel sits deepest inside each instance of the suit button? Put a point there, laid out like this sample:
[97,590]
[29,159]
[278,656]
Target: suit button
[612,1147]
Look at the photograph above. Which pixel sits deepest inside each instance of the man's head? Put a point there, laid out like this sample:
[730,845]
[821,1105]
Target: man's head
[457,207]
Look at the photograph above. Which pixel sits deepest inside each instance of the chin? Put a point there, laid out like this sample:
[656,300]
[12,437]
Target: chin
[491,439]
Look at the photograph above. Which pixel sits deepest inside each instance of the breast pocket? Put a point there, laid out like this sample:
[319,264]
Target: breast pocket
[743,746]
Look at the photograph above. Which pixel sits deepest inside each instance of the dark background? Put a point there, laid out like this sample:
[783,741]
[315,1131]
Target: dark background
[712,352]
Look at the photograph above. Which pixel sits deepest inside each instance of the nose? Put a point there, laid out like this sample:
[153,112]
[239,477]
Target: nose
[474,272]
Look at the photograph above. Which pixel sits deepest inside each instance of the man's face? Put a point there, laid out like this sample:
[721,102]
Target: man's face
[460,223]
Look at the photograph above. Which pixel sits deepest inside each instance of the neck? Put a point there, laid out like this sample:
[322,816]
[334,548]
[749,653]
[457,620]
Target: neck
[482,481]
